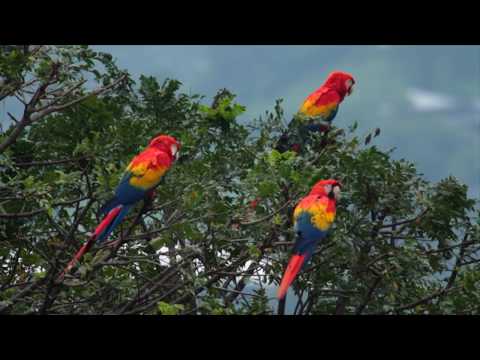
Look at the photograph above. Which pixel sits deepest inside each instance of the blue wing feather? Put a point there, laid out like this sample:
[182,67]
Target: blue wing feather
[125,194]
[308,236]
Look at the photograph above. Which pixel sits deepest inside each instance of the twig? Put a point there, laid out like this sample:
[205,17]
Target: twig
[371,290]
[421,301]
[39,211]
[405,221]
[51,162]
[268,216]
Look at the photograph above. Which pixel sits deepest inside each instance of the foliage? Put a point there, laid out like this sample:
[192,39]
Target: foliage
[400,244]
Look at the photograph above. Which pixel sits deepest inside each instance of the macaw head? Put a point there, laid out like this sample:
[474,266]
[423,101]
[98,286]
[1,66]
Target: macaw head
[166,143]
[340,81]
[330,188]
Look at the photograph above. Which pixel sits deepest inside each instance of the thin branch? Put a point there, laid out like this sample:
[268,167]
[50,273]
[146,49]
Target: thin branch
[39,211]
[51,162]
[370,293]
[421,301]
[237,292]
[30,115]
[268,216]
[443,249]
[19,295]
[98,91]
[453,275]
[62,96]
[405,221]
[14,119]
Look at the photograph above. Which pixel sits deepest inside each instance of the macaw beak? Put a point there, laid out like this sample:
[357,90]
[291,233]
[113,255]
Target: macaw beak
[174,149]
[350,90]
[337,192]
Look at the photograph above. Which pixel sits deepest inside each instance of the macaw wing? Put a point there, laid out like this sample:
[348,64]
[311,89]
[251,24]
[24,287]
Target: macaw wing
[148,169]
[322,103]
[317,95]
[138,167]
[126,191]
[307,235]
[312,222]
[330,114]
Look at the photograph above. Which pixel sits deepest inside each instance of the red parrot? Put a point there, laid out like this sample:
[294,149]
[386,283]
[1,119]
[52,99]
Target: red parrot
[141,177]
[313,217]
[317,111]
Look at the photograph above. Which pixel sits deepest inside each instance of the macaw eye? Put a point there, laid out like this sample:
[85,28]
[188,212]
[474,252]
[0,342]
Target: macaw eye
[328,188]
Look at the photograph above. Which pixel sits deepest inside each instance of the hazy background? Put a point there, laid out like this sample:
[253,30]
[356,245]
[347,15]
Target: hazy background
[426,99]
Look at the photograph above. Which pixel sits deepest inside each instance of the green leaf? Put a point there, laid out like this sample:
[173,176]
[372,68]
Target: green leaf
[158,243]
[168,309]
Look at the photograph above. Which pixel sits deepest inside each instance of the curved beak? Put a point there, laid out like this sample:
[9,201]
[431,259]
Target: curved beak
[337,192]
[350,90]
[174,150]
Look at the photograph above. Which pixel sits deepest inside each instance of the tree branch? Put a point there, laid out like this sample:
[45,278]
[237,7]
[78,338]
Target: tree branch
[39,211]
[421,301]
[37,116]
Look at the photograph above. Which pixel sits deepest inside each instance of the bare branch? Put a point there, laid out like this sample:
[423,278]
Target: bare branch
[369,295]
[421,301]
[64,95]
[39,211]
[268,216]
[51,162]
[14,119]
[405,221]
[30,115]
[98,91]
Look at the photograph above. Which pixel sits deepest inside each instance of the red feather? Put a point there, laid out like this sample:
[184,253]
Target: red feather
[105,222]
[294,266]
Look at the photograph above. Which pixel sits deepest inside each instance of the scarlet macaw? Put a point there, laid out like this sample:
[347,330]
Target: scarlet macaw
[317,111]
[313,217]
[141,177]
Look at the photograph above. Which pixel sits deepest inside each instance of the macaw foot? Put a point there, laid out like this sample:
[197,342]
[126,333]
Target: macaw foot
[324,128]
[151,194]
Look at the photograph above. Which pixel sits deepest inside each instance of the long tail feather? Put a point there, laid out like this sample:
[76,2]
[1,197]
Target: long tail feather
[294,266]
[112,215]
[103,234]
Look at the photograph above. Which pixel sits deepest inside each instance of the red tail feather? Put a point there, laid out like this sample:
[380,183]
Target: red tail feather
[294,266]
[105,222]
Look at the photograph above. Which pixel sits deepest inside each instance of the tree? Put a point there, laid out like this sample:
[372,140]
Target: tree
[400,244]
[49,79]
